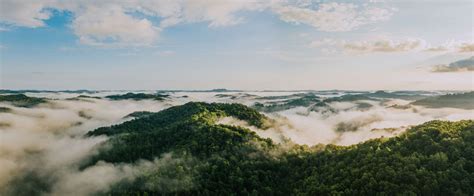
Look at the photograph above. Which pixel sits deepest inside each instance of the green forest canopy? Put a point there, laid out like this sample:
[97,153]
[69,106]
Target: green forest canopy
[435,158]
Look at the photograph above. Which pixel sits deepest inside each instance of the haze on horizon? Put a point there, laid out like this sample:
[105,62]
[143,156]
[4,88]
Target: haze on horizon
[247,45]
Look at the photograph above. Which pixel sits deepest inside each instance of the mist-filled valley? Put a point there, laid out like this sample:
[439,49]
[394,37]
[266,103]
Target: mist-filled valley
[236,97]
[223,142]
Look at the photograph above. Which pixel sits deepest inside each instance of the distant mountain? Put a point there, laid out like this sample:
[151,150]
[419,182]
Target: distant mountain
[21,100]
[83,98]
[287,102]
[462,101]
[395,95]
[236,96]
[6,91]
[349,98]
[138,96]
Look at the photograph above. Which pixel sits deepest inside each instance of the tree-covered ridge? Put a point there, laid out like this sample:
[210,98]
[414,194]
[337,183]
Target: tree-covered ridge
[21,100]
[83,97]
[435,158]
[290,101]
[348,97]
[188,131]
[395,95]
[461,100]
[5,109]
[138,96]
[138,114]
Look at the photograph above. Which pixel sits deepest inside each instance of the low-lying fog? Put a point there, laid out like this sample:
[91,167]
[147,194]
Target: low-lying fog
[49,137]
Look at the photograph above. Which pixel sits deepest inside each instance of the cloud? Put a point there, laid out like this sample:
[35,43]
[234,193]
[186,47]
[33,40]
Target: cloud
[24,13]
[125,23]
[384,45]
[452,46]
[466,47]
[332,16]
[110,25]
[389,45]
[349,125]
[45,144]
[47,140]
[458,66]
[139,22]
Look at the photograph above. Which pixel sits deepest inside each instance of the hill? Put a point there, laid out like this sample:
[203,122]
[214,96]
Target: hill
[287,102]
[138,96]
[21,100]
[462,101]
[396,95]
[435,158]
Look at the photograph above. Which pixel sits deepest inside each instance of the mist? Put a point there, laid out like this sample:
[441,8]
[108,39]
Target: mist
[42,148]
[350,124]
[47,142]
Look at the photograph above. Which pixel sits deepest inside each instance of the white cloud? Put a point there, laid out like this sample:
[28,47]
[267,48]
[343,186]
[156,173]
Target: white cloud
[99,25]
[466,47]
[384,45]
[104,23]
[332,16]
[24,12]
[452,46]
[216,12]
[389,45]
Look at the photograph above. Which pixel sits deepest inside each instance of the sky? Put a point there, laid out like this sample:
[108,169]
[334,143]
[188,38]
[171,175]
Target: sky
[237,44]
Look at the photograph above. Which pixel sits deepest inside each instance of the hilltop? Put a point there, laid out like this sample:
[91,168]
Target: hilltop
[21,100]
[432,158]
[461,100]
[138,96]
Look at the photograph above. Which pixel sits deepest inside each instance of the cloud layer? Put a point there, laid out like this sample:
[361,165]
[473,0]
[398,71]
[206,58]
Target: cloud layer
[384,45]
[46,142]
[332,16]
[139,23]
[391,45]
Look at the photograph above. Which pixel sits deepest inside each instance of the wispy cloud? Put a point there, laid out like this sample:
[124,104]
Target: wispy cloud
[391,45]
[332,16]
[131,23]
[384,45]
[458,66]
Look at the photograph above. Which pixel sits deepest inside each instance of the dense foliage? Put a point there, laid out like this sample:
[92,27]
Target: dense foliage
[462,100]
[5,109]
[436,158]
[348,97]
[395,95]
[21,100]
[290,101]
[137,96]
[138,114]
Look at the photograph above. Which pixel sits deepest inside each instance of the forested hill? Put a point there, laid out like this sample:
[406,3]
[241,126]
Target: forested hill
[21,100]
[461,100]
[203,158]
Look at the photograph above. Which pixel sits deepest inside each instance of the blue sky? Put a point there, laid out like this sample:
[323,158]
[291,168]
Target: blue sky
[252,45]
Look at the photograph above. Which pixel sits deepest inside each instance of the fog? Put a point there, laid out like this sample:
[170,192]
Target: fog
[47,141]
[350,125]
